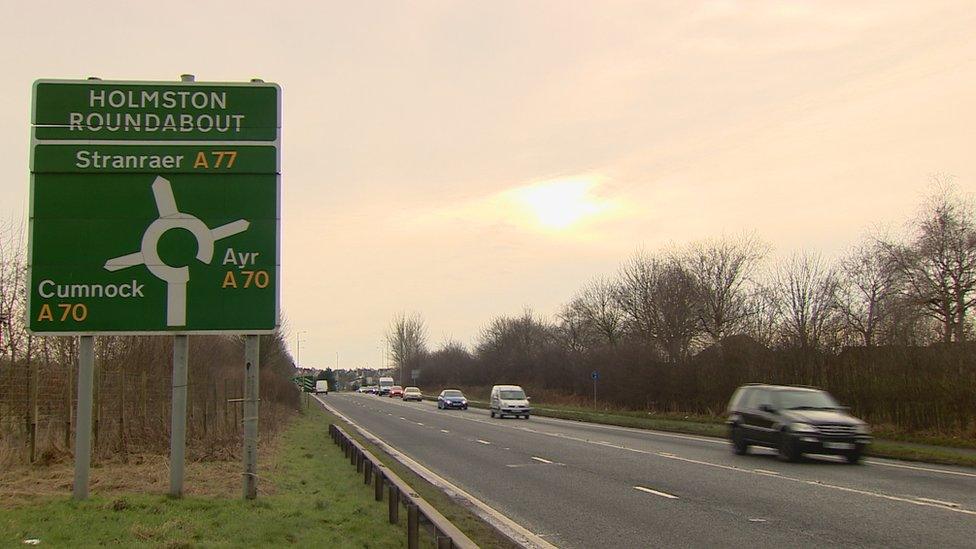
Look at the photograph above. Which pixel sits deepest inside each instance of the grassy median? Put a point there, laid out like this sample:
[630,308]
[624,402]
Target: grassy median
[317,500]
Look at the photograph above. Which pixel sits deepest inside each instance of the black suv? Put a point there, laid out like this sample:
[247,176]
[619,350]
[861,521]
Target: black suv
[795,421]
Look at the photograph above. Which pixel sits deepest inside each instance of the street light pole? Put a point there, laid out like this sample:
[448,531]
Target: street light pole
[298,349]
[298,361]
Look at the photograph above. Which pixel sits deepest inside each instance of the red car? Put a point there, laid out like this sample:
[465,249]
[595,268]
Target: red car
[396,391]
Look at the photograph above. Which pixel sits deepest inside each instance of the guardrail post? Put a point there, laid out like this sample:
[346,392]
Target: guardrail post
[413,526]
[360,462]
[378,486]
[352,454]
[394,504]
[443,541]
[367,471]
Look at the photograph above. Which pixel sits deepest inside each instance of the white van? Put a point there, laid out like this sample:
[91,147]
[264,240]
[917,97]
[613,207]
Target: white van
[509,400]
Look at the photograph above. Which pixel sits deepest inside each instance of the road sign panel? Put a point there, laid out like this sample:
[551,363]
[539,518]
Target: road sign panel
[305,383]
[155,111]
[134,236]
[595,375]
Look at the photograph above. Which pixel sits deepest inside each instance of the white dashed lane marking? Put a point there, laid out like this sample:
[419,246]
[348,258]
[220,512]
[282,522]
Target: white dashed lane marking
[655,492]
[939,502]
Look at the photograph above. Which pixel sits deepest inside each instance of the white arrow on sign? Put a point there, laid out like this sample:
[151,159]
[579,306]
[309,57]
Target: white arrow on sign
[176,278]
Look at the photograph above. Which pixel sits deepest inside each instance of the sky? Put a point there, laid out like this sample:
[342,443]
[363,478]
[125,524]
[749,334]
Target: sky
[466,160]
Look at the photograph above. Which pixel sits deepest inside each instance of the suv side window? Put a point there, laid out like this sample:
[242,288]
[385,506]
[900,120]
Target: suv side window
[735,403]
[747,402]
[762,396]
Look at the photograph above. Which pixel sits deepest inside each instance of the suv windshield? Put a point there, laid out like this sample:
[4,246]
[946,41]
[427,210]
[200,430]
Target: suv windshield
[511,395]
[795,400]
[453,394]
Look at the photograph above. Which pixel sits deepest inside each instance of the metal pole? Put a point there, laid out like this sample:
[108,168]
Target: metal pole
[177,438]
[83,422]
[413,526]
[594,393]
[251,355]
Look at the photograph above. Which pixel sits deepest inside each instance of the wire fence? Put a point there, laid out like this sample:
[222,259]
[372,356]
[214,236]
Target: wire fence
[132,399]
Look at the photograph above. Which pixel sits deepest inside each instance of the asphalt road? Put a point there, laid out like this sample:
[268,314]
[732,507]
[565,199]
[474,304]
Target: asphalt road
[586,485]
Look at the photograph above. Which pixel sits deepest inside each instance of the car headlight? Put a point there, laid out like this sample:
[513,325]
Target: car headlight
[802,428]
[862,429]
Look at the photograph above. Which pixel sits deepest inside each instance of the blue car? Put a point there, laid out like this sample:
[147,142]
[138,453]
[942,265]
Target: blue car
[451,398]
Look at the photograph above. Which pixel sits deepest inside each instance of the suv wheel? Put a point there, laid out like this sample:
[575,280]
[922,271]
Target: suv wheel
[739,445]
[492,413]
[787,448]
[853,457]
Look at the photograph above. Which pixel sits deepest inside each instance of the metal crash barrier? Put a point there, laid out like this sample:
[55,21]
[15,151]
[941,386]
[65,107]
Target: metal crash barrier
[419,512]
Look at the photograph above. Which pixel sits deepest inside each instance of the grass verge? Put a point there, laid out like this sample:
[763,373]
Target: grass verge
[318,501]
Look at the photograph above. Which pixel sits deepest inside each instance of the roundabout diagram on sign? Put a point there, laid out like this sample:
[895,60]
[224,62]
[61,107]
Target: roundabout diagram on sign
[175,277]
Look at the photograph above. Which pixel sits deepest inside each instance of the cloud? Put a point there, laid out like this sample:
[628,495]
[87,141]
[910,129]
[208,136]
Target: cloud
[574,206]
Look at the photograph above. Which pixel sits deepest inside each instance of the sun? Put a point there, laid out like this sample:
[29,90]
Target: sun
[559,204]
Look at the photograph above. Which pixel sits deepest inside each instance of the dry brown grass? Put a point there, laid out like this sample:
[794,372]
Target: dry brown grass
[136,473]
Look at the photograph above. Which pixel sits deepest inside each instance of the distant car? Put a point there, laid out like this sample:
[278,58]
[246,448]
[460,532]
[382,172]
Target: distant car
[395,391]
[321,386]
[412,393]
[794,421]
[371,389]
[509,400]
[451,398]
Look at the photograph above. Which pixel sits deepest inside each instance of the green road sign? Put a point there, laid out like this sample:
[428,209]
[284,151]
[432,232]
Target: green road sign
[135,231]
[155,111]
[305,383]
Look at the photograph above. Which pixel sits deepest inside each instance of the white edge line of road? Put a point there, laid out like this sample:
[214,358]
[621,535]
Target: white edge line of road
[716,440]
[713,440]
[505,525]
[668,455]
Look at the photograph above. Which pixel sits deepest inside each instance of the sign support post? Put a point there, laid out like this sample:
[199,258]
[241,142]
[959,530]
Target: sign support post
[177,439]
[595,375]
[83,423]
[252,349]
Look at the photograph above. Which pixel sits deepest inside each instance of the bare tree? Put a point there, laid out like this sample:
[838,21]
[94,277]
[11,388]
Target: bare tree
[657,297]
[634,293]
[575,327]
[806,288]
[721,270]
[596,310]
[13,289]
[938,264]
[865,290]
[763,313]
[407,338]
